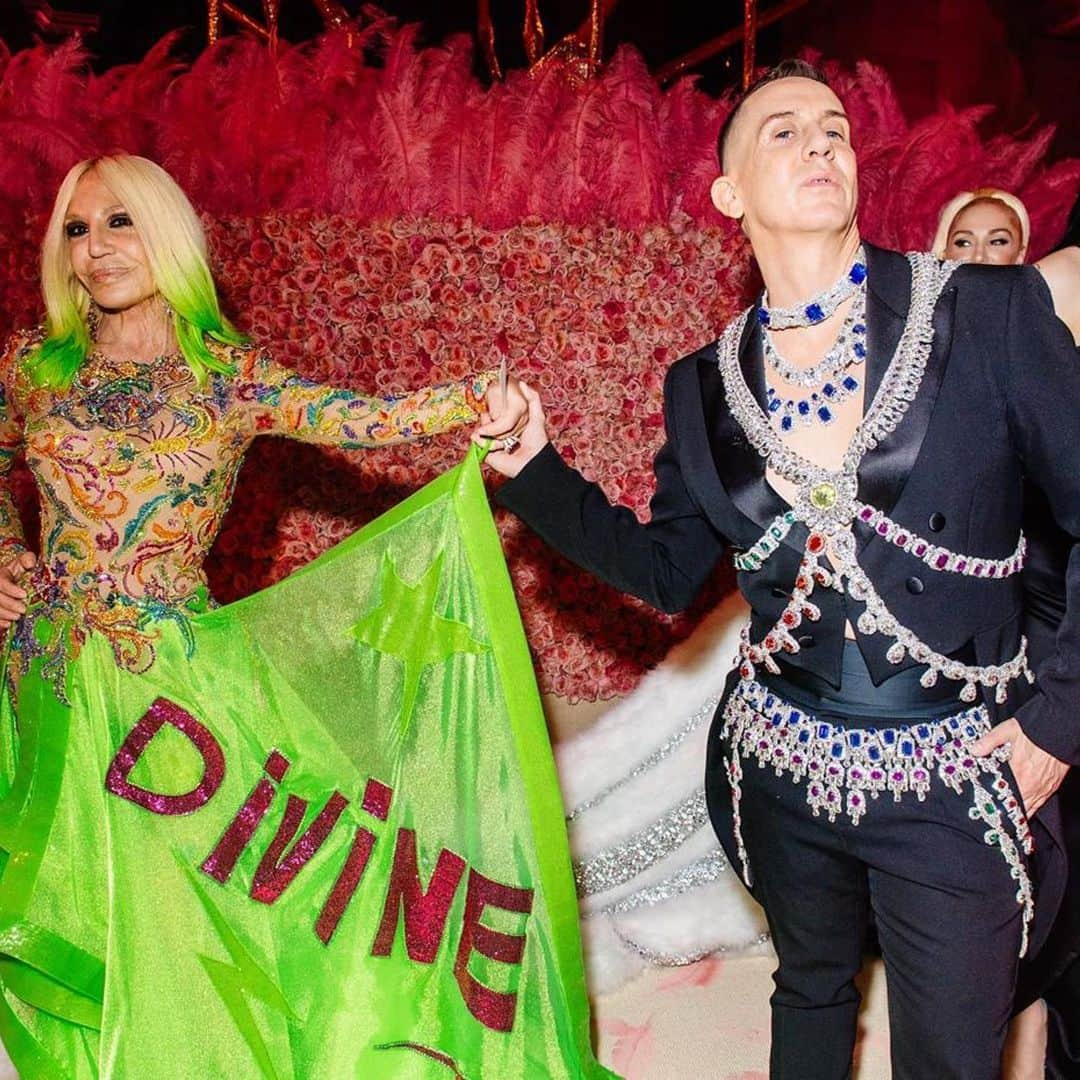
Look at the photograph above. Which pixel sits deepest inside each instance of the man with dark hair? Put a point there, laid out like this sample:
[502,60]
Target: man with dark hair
[859,438]
[786,69]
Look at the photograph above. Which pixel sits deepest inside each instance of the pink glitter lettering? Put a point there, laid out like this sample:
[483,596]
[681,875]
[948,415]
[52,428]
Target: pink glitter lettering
[424,914]
[159,714]
[492,1008]
[346,885]
[377,799]
[221,862]
[276,873]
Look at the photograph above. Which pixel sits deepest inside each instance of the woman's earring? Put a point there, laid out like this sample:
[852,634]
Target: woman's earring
[170,322]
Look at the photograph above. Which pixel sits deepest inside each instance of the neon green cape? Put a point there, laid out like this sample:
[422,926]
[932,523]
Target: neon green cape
[321,836]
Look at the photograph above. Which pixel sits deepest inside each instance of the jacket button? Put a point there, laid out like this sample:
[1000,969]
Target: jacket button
[937,521]
[806,641]
[915,585]
[778,593]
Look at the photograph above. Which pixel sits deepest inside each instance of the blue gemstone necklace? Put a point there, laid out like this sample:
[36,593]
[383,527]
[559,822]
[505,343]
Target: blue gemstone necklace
[829,382]
[818,308]
[819,406]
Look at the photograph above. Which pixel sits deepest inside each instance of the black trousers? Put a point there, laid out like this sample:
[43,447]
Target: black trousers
[947,920]
[943,901]
[1054,974]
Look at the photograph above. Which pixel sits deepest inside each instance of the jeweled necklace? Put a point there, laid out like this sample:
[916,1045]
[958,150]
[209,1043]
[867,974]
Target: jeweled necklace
[898,386]
[830,381]
[827,503]
[817,407]
[818,308]
[849,348]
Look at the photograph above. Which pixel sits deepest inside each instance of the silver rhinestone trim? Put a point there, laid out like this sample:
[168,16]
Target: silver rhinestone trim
[664,750]
[666,959]
[703,871]
[617,865]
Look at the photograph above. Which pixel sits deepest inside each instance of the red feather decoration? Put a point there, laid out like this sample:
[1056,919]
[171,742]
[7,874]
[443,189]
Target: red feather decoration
[380,218]
[381,127]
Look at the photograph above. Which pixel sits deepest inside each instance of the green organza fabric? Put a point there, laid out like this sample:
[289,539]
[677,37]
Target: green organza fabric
[320,837]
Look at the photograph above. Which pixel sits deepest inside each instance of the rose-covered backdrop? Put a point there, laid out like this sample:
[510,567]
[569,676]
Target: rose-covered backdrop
[381,219]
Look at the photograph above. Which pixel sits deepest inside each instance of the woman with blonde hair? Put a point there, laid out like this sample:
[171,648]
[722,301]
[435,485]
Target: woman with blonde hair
[991,226]
[134,405]
[986,225]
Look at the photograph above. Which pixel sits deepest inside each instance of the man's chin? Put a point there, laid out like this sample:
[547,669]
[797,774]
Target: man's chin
[836,216]
[820,219]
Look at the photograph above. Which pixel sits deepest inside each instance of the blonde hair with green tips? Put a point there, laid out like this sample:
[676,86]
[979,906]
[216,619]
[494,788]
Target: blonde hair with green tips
[175,246]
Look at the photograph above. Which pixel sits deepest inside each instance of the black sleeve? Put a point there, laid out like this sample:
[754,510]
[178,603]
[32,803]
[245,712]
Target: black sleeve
[664,562]
[1044,424]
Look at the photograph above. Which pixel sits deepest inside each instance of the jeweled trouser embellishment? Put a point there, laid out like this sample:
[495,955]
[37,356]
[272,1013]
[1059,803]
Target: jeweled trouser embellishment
[844,769]
[733,768]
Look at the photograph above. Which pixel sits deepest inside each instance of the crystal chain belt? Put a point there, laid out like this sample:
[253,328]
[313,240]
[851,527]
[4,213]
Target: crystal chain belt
[939,558]
[936,557]
[876,619]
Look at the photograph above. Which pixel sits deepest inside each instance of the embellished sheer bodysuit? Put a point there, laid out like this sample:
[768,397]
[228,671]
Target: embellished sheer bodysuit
[136,464]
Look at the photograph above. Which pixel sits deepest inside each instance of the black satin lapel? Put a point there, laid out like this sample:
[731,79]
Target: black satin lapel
[885,470]
[695,403]
[740,467]
[888,295]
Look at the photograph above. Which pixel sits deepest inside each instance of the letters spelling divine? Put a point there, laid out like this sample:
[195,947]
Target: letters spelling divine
[424,913]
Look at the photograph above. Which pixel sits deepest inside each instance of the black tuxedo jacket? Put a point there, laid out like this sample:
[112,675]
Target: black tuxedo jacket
[1000,401]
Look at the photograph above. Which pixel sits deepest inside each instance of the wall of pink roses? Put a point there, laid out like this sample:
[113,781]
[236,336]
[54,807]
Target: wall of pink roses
[380,219]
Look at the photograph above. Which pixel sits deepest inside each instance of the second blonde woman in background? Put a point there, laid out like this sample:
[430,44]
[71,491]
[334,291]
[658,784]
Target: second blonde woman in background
[987,225]
[991,226]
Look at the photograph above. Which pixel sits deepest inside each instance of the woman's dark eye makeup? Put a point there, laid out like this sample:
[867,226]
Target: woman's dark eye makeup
[118,220]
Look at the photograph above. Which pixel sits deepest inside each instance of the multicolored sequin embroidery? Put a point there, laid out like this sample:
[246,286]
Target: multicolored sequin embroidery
[136,463]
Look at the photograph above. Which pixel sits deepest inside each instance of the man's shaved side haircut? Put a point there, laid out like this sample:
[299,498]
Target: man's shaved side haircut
[786,69]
